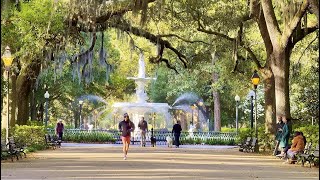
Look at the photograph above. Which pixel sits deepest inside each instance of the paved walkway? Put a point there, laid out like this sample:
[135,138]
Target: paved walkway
[91,161]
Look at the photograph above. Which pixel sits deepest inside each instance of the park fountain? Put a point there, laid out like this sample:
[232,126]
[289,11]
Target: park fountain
[190,103]
[92,118]
[141,107]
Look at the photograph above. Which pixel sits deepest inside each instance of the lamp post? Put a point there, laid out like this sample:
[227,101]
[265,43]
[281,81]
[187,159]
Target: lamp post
[251,95]
[200,104]
[237,98]
[154,121]
[7,60]
[255,81]
[95,118]
[46,96]
[192,107]
[80,105]
[114,121]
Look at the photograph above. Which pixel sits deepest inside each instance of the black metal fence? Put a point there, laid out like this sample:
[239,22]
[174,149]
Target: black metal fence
[160,135]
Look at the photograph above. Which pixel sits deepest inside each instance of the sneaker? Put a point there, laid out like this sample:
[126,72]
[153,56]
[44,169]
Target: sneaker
[125,158]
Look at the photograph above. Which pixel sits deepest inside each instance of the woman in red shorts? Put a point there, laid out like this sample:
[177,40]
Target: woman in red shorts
[126,127]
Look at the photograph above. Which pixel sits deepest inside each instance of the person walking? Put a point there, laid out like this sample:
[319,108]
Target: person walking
[59,130]
[279,126]
[126,127]
[176,131]
[284,136]
[143,126]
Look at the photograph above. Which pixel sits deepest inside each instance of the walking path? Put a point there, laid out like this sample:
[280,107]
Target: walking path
[105,161]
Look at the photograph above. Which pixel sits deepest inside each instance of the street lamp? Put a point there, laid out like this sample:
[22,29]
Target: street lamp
[7,60]
[80,104]
[237,98]
[255,81]
[46,96]
[192,107]
[200,104]
[95,118]
[251,95]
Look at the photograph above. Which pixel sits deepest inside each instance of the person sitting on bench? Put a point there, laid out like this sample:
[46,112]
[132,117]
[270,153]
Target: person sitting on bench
[296,147]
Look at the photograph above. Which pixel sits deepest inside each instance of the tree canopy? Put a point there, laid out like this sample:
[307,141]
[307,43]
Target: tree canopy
[72,48]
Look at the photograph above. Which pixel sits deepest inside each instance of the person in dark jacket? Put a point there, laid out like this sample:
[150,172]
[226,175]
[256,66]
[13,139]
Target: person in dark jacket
[279,126]
[284,136]
[59,129]
[126,127]
[176,131]
[143,126]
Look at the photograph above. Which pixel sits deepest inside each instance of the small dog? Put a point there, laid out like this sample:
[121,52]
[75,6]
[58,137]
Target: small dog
[169,141]
[153,141]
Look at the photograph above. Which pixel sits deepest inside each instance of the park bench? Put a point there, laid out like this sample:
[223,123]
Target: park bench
[244,144]
[306,150]
[309,157]
[251,146]
[5,151]
[301,157]
[51,142]
[18,148]
[56,140]
[10,149]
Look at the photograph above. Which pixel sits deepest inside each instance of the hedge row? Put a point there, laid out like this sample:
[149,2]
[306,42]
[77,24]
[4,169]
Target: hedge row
[85,136]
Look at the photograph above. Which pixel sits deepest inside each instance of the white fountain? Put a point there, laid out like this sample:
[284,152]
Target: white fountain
[141,107]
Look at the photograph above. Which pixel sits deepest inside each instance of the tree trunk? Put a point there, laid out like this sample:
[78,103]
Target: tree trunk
[76,118]
[216,101]
[24,84]
[280,68]
[217,120]
[23,92]
[184,121]
[33,109]
[13,98]
[269,98]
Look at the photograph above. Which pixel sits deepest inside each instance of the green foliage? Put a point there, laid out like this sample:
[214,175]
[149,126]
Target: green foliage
[208,141]
[311,132]
[3,132]
[266,141]
[243,134]
[226,129]
[219,141]
[78,137]
[32,136]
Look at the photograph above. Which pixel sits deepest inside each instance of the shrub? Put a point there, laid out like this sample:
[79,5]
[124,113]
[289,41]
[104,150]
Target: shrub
[311,132]
[85,136]
[30,135]
[266,141]
[226,129]
[243,134]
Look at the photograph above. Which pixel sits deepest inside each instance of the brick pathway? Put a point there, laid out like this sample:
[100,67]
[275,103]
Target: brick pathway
[85,161]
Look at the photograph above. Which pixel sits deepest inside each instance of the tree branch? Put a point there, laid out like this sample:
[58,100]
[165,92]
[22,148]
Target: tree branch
[314,8]
[294,22]
[251,53]
[215,33]
[271,22]
[259,18]
[183,39]
[308,47]
[151,37]
[302,35]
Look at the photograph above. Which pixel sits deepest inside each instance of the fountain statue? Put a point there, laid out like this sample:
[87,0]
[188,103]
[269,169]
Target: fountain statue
[141,107]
